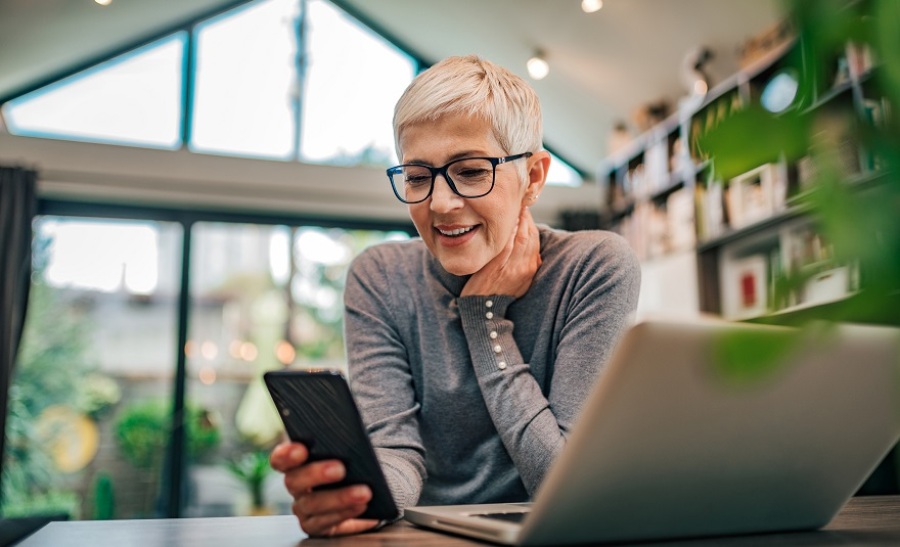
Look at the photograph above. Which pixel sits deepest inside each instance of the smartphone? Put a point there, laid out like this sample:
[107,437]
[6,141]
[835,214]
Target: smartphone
[318,410]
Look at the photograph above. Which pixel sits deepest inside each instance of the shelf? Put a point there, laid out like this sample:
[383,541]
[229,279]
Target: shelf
[853,308]
[857,182]
[830,95]
[782,236]
[770,222]
[675,182]
[621,212]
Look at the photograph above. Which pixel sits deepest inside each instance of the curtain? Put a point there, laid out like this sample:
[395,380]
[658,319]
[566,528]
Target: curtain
[18,205]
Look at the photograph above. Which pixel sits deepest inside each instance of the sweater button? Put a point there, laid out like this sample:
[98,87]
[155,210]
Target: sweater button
[489,303]
[489,315]
[494,335]
[501,365]
[497,348]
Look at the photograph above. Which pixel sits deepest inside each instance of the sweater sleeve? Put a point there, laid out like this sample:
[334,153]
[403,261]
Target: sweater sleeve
[378,364]
[532,426]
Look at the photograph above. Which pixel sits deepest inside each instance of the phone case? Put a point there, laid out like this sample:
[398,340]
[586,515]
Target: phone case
[318,410]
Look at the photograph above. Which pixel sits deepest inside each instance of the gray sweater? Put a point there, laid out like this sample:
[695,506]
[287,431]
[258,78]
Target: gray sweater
[469,400]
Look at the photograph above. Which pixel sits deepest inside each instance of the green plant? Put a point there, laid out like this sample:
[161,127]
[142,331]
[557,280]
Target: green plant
[104,498]
[143,429]
[252,468]
[50,367]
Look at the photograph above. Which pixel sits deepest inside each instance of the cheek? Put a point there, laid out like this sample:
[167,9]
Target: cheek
[420,219]
[503,217]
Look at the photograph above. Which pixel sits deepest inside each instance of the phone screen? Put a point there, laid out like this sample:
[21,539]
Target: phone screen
[318,410]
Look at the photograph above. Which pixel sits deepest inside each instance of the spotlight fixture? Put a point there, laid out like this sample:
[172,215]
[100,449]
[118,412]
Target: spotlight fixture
[103,2]
[590,6]
[537,66]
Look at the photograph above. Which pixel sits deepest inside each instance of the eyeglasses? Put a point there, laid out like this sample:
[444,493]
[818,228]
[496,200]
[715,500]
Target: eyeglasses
[467,177]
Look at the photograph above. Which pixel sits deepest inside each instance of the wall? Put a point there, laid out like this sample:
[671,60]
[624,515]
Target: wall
[182,179]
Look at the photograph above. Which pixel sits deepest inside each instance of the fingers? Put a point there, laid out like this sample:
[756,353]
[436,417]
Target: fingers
[345,527]
[332,512]
[305,478]
[325,508]
[321,512]
[288,455]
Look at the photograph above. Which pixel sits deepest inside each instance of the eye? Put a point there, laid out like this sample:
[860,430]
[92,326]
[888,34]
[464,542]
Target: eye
[473,173]
[418,179]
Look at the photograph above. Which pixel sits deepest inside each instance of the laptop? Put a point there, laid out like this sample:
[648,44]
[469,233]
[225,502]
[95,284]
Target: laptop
[708,428]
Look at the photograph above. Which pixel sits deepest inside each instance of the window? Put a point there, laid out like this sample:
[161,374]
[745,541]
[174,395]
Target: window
[132,99]
[562,174]
[245,92]
[263,297]
[248,98]
[352,82]
[90,400]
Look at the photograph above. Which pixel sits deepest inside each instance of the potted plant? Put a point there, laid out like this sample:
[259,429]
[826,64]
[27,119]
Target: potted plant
[252,468]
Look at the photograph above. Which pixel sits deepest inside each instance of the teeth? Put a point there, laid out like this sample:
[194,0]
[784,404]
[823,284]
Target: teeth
[457,232]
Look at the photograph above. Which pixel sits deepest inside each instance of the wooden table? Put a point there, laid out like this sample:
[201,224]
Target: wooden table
[863,521]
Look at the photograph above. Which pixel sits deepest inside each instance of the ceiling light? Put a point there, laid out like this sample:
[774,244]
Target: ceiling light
[538,67]
[590,6]
[103,2]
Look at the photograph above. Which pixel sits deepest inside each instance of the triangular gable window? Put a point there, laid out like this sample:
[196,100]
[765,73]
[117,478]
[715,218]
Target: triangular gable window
[245,92]
[132,99]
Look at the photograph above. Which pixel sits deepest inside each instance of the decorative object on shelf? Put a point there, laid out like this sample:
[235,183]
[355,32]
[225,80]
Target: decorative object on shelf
[709,198]
[744,287]
[681,222]
[780,92]
[756,194]
[770,39]
[694,77]
[649,114]
[619,138]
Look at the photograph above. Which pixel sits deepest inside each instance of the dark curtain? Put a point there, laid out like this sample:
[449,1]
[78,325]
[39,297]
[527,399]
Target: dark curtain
[18,205]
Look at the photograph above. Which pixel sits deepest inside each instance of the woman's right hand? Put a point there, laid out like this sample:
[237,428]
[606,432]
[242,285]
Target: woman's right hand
[321,512]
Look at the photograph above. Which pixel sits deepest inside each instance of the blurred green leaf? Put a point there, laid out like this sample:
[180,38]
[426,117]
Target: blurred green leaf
[753,136]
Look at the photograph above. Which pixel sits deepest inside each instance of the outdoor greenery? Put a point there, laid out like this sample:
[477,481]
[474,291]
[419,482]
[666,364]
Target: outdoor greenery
[142,432]
[252,468]
[52,362]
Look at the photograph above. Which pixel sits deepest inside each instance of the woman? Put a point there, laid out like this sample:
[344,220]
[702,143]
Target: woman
[471,349]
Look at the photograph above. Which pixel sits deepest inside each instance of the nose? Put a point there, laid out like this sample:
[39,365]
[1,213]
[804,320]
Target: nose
[443,198]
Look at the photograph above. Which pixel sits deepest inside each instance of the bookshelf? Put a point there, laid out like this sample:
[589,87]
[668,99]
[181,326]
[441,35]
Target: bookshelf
[740,206]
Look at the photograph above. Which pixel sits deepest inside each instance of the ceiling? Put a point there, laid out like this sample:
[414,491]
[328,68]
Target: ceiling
[603,66]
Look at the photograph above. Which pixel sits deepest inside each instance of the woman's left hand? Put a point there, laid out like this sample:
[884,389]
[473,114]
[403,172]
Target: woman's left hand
[512,271]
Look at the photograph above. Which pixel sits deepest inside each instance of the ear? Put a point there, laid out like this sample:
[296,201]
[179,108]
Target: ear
[538,167]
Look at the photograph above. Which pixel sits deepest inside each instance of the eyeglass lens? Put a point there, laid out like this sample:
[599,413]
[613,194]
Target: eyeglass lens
[472,178]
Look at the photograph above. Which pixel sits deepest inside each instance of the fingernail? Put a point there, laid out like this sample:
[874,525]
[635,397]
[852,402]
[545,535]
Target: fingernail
[360,493]
[335,471]
[297,453]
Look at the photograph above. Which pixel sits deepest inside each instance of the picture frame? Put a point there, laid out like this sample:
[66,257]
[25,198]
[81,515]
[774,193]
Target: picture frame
[745,291]
[755,195]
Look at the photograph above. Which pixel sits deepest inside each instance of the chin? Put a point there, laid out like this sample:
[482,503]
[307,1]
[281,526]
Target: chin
[459,269]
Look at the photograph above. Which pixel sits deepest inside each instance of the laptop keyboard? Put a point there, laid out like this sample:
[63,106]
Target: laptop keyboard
[518,516]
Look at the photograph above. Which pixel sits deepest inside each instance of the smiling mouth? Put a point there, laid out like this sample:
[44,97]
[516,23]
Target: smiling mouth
[455,233]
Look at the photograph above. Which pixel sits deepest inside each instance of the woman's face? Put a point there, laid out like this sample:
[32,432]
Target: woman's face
[465,234]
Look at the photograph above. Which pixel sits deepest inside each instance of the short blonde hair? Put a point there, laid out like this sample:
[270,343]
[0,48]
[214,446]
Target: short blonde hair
[473,86]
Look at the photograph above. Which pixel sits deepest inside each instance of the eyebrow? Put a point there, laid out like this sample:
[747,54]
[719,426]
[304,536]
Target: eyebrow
[454,157]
